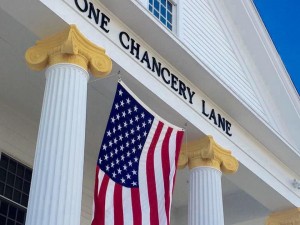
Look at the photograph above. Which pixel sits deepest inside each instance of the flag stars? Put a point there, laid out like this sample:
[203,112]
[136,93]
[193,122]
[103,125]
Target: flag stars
[128,101]
[124,114]
[120,92]
[117,106]
[134,172]
[129,111]
[106,157]
[119,171]
[113,119]
[119,127]
[135,108]
[118,116]
[128,176]
[114,175]
[122,103]
[134,183]
[108,133]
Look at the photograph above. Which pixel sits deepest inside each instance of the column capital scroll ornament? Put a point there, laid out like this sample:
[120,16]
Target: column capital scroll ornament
[69,46]
[287,217]
[206,152]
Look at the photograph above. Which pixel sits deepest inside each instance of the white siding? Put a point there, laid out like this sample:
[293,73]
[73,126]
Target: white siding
[203,35]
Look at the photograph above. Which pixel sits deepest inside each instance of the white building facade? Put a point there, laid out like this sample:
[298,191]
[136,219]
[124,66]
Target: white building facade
[207,66]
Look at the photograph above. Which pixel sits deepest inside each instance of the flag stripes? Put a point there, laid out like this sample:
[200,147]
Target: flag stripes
[149,202]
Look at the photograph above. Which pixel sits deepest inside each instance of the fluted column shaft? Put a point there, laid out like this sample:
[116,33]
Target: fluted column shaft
[56,188]
[205,197]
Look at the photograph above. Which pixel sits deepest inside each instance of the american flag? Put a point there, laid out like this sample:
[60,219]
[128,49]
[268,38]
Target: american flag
[136,166]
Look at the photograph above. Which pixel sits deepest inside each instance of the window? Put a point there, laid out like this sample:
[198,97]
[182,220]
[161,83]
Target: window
[164,10]
[15,181]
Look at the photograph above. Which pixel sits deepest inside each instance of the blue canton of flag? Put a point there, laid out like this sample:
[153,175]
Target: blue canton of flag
[125,135]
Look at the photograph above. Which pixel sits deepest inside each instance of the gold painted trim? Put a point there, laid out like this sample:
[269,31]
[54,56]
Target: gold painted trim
[69,46]
[287,217]
[206,152]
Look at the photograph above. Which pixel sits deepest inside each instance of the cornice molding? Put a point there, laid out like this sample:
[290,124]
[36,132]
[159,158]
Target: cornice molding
[69,46]
[288,217]
[206,152]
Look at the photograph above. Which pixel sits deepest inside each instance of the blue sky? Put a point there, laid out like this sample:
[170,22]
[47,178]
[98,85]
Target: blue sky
[282,19]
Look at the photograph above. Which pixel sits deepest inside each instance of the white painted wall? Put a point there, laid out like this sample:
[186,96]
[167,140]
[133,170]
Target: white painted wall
[201,32]
[17,135]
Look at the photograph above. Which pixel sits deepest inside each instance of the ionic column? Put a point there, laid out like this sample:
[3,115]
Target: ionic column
[287,217]
[56,188]
[206,160]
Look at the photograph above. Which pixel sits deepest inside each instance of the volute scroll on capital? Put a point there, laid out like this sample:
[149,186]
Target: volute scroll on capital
[69,46]
[206,152]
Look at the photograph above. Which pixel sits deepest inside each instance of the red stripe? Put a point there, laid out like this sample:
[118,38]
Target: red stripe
[95,195]
[151,177]
[178,146]
[165,158]
[136,206]
[118,205]
[99,217]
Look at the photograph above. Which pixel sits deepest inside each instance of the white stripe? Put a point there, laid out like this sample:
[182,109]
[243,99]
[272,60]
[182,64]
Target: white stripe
[100,177]
[144,198]
[159,179]
[109,202]
[127,206]
[172,155]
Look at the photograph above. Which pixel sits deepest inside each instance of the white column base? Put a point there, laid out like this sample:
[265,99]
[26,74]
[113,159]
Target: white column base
[56,188]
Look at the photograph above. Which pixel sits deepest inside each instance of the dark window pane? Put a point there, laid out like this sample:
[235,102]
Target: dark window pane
[156,14]
[4,208]
[2,175]
[12,166]
[18,183]
[163,11]
[1,188]
[150,8]
[4,161]
[156,5]
[151,2]
[163,2]
[169,26]
[20,170]
[24,200]
[169,17]
[26,187]
[8,192]
[10,222]
[169,6]
[2,219]
[12,212]
[28,174]
[21,216]
[10,179]
[17,196]
[163,20]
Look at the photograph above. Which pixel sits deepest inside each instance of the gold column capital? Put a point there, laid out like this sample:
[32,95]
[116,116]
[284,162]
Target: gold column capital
[287,217]
[206,152]
[69,46]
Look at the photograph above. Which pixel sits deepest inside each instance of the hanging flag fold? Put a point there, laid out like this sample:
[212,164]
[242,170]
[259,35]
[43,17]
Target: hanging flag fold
[136,167]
